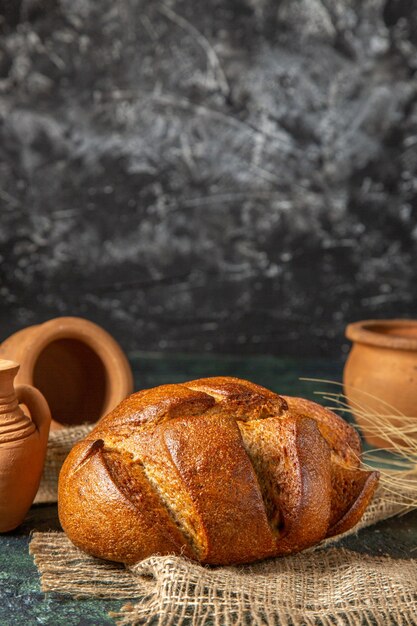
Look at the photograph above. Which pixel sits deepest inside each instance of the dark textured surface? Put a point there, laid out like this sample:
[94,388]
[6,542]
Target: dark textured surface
[236,176]
[23,604]
[21,601]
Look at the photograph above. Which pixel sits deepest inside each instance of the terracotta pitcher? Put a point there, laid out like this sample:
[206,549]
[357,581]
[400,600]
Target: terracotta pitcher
[23,443]
[80,369]
[380,378]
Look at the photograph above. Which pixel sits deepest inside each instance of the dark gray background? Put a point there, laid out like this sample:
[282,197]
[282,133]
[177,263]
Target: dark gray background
[232,176]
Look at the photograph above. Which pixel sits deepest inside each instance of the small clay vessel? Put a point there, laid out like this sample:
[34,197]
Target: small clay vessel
[23,442]
[80,369]
[380,374]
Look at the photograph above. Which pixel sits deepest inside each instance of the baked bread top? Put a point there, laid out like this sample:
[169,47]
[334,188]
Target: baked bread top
[220,470]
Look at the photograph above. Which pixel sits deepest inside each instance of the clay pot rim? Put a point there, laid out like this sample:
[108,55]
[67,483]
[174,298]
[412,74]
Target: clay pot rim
[368,332]
[120,382]
[8,364]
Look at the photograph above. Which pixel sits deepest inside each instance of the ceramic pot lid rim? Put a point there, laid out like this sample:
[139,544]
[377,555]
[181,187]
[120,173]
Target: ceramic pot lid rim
[381,333]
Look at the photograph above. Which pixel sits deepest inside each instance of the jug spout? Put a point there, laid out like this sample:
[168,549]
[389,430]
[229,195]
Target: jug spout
[8,372]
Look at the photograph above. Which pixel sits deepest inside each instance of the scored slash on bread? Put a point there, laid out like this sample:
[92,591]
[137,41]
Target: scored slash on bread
[219,470]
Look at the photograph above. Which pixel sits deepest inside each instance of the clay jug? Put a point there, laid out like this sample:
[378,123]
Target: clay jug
[79,368]
[380,378]
[23,443]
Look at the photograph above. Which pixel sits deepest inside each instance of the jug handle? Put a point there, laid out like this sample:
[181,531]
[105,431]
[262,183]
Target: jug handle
[38,407]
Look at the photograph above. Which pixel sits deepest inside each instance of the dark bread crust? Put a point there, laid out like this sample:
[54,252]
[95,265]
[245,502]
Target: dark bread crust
[102,518]
[221,507]
[342,438]
[219,470]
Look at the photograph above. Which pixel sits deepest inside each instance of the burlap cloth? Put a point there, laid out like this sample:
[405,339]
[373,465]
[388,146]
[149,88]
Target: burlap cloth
[59,444]
[327,586]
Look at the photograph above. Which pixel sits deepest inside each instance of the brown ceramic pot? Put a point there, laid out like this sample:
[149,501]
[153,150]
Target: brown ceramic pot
[23,442]
[380,374]
[79,368]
